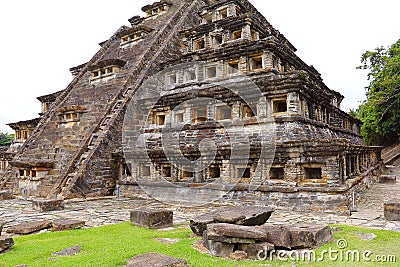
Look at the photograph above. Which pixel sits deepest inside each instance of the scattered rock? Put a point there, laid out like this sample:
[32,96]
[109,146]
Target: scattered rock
[167,241]
[155,260]
[219,249]
[5,243]
[43,205]
[23,265]
[66,224]
[5,195]
[392,210]
[365,236]
[68,252]
[1,227]
[247,216]
[152,219]
[29,227]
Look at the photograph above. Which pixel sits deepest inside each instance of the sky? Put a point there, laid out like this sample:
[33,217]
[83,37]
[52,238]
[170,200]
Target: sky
[42,39]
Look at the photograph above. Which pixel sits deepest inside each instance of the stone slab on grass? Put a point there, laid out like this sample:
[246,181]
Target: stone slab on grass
[29,227]
[152,219]
[67,224]
[392,210]
[44,205]
[155,260]
[243,215]
[68,251]
[5,243]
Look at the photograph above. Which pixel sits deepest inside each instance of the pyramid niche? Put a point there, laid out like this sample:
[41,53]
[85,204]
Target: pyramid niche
[253,88]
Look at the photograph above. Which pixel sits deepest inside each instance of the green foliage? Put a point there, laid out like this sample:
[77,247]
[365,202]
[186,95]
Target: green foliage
[380,113]
[5,139]
[112,245]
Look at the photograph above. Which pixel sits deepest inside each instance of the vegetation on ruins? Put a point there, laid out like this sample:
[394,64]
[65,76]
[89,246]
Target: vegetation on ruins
[380,113]
[113,245]
[6,139]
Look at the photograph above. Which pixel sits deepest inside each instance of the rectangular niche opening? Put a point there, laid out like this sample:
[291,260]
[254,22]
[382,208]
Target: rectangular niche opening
[179,118]
[256,63]
[217,40]
[199,44]
[146,171]
[247,112]
[166,171]
[190,75]
[233,67]
[279,106]
[236,35]
[244,173]
[199,115]
[160,119]
[214,172]
[211,72]
[277,173]
[172,78]
[313,173]
[223,113]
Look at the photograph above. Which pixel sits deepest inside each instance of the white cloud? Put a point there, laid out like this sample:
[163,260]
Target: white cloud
[42,39]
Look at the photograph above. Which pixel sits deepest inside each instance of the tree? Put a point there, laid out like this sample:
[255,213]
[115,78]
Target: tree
[6,139]
[380,113]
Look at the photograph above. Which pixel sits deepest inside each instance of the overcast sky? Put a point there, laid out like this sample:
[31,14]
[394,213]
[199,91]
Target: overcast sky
[42,39]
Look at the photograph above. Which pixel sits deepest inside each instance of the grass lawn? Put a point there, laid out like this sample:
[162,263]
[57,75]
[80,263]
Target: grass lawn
[112,245]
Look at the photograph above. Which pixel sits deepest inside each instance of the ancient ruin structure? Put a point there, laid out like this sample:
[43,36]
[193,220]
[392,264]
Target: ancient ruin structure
[76,147]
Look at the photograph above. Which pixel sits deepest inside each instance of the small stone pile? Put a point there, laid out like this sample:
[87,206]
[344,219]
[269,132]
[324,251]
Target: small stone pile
[244,231]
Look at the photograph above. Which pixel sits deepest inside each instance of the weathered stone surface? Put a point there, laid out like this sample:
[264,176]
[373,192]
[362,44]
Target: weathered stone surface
[253,250]
[238,255]
[6,195]
[1,227]
[47,204]
[248,216]
[155,260]
[68,251]
[392,210]
[63,224]
[387,179]
[29,227]
[5,243]
[235,231]
[279,236]
[219,249]
[153,219]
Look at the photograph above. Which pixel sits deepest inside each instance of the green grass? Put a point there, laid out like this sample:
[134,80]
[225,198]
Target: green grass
[112,245]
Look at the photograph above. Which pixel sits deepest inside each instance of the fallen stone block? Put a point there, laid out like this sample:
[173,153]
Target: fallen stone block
[6,195]
[64,224]
[235,231]
[5,243]
[155,260]
[152,219]
[392,210]
[277,235]
[43,205]
[29,227]
[248,216]
[257,249]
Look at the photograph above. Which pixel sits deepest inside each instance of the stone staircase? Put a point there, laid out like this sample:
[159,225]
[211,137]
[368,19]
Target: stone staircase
[68,185]
[391,154]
